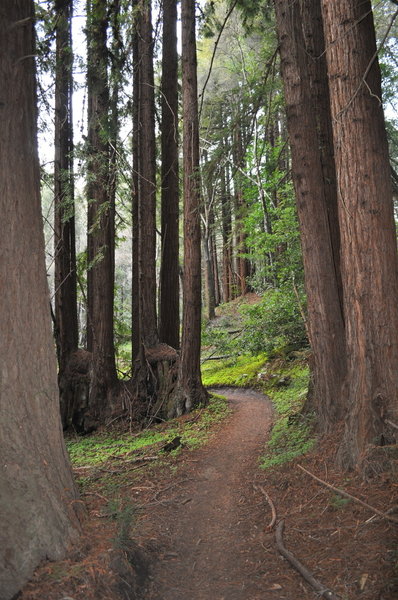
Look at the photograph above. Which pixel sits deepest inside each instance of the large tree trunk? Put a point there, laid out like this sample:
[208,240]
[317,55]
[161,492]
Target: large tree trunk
[38,496]
[311,16]
[100,281]
[147,182]
[227,274]
[135,280]
[66,322]
[190,390]
[368,237]
[243,267]
[169,314]
[155,366]
[325,318]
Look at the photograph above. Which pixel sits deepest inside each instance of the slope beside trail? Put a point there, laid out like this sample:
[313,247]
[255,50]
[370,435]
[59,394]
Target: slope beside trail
[207,541]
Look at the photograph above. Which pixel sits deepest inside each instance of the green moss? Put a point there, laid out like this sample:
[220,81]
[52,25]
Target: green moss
[241,371]
[94,450]
[286,383]
[292,435]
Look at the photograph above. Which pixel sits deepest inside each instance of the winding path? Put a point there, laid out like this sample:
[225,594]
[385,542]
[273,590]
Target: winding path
[206,532]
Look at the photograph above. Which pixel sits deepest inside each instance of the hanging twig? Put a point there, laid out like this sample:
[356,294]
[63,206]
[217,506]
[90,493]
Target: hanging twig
[271,504]
[214,54]
[347,495]
[308,576]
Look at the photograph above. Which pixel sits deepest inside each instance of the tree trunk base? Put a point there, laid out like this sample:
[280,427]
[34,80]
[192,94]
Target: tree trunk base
[154,381]
[187,396]
[74,387]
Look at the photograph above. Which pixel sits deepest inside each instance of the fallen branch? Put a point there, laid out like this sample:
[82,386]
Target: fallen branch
[306,574]
[350,497]
[271,504]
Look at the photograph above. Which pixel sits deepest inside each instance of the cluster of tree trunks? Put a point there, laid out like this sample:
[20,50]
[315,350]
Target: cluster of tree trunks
[88,381]
[344,201]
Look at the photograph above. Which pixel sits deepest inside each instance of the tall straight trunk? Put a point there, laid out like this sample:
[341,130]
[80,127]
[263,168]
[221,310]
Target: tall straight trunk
[115,79]
[209,273]
[169,319]
[147,182]
[368,238]
[135,280]
[227,276]
[214,259]
[38,497]
[190,388]
[317,69]
[64,209]
[240,211]
[101,242]
[325,318]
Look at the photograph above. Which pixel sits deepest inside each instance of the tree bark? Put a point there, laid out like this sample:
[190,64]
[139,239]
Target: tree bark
[325,318]
[101,236]
[227,275]
[37,495]
[147,182]
[169,314]
[66,322]
[190,388]
[135,280]
[243,267]
[368,237]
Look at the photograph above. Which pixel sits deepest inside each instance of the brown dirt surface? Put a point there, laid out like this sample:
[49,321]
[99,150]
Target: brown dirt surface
[202,531]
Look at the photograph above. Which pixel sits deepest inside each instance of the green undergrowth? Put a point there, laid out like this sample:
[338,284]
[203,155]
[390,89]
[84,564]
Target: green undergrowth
[240,371]
[103,448]
[286,383]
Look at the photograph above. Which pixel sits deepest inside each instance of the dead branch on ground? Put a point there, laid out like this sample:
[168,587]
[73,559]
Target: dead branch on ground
[350,497]
[271,504]
[306,574]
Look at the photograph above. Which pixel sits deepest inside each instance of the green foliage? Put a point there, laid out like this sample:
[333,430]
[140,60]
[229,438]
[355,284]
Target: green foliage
[95,450]
[275,324]
[337,502]
[125,515]
[241,371]
[292,434]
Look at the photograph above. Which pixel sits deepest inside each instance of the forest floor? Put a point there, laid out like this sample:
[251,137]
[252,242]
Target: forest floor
[201,525]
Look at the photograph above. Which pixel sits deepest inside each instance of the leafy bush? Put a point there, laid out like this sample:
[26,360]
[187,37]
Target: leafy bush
[274,324]
[292,434]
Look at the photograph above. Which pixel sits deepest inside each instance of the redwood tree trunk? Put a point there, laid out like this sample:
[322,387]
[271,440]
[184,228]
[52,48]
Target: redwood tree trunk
[66,322]
[325,318]
[38,497]
[135,280]
[169,319]
[147,182]
[100,290]
[190,388]
[368,236]
[243,267]
[227,275]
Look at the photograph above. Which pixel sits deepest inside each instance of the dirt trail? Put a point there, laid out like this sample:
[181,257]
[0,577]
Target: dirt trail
[203,525]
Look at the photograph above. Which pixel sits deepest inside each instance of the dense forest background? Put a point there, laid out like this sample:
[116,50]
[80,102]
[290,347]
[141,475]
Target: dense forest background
[191,154]
[113,194]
